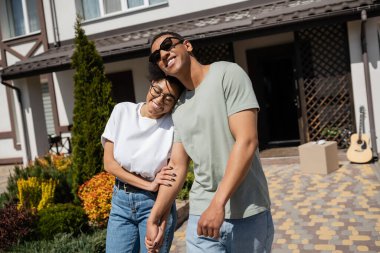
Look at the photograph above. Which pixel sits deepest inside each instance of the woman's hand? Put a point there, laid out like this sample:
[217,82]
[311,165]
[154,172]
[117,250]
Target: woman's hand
[155,233]
[164,177]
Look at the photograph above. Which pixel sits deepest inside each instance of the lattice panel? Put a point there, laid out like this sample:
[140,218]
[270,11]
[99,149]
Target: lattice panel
[207,54]
[327,99]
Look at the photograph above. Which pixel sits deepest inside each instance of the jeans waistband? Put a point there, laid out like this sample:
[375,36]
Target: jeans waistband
[129,188]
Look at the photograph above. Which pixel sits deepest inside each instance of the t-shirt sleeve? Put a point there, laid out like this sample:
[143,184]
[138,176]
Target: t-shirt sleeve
[110,129]
[238,90]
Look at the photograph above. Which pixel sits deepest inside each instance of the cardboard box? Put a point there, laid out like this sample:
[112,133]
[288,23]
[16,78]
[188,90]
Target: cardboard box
[319,157]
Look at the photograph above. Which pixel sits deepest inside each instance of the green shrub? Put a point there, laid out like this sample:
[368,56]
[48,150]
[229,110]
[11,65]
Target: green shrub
[92,107]
[15,225]
[66,243]
[330,133]
[184,192]
[55,167]
[10,194]
[61,218]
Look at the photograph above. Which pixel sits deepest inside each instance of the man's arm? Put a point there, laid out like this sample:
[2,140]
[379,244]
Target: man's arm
[179,161]
[243,126]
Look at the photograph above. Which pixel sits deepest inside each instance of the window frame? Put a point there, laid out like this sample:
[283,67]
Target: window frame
[124,9]
[6,25]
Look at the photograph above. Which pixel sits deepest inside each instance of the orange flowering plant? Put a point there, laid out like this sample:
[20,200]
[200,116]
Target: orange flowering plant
[96,195]
[58,162]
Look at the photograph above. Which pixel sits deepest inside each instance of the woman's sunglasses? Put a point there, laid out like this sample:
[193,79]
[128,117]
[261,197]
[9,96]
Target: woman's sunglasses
[166,45]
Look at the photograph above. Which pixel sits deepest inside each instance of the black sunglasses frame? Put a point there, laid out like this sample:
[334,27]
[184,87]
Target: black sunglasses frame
[156,56]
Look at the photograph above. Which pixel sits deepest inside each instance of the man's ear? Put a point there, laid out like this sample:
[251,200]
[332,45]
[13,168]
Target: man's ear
[189,47]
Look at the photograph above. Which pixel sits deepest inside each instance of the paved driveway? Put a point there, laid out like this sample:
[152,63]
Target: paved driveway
[4,173]
[337,213]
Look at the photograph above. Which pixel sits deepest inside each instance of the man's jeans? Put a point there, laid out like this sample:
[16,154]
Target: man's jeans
[127,222]
[249,235]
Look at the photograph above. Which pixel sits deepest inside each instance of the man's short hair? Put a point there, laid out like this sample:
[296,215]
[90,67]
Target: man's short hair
[174,34]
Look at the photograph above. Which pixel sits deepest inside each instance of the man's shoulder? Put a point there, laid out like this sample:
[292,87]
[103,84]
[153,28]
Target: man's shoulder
[222,64]
[227,67]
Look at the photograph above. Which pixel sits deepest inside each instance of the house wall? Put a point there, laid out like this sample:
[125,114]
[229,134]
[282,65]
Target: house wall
[64,85]
[5,125]
[34,126]
[139,68]
[7,145]
[66,14]
[9,150]
[63,81]
[64,93]
[357,70]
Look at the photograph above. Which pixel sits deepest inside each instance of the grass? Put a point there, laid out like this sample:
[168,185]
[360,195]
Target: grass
[66,243]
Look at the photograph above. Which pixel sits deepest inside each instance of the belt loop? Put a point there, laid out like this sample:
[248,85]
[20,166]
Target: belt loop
[117,183]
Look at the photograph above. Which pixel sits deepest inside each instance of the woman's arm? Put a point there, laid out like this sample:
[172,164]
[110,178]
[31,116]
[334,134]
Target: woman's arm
[164,177]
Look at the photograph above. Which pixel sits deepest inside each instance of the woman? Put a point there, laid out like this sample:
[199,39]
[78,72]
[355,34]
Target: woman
[137,141]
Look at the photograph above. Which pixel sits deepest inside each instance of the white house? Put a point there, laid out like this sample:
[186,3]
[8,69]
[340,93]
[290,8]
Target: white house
[305,57]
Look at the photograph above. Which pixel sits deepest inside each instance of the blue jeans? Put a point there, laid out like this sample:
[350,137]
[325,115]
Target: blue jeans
[127,222]
[248,235]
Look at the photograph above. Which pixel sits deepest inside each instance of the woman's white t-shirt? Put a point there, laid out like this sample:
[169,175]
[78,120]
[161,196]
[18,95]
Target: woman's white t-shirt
[141,145]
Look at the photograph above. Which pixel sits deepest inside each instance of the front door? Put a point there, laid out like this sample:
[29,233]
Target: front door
[271,70]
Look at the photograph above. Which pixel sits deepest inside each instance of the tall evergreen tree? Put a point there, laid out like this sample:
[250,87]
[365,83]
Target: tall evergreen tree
[92,107]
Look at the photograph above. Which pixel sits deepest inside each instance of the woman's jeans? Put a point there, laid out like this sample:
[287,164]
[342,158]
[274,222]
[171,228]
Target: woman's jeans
[127,222]
[248,235]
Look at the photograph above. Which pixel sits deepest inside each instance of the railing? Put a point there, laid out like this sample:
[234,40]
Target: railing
[59,144]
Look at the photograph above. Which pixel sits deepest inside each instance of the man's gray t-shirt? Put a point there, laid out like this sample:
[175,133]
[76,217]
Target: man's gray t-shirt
[201,125]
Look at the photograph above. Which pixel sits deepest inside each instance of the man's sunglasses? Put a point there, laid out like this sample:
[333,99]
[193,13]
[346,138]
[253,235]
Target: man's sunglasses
[166,45]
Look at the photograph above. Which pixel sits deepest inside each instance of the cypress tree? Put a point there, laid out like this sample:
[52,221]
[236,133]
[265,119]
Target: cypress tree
[92,107]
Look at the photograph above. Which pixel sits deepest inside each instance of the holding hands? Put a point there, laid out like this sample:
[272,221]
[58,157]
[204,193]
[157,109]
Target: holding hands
[154,236]
[155,232]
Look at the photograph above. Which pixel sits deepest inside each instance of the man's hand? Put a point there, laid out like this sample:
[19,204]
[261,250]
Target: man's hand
[211,220]
[154,237]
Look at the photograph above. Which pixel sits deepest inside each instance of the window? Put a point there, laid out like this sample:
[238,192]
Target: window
[48,110]
[18,17]
[91,9]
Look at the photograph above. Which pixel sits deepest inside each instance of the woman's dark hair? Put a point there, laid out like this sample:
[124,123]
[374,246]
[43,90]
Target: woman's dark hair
[156,74]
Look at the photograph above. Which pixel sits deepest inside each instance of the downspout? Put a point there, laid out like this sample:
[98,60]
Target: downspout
[368,86]
[25,129]
[57,42]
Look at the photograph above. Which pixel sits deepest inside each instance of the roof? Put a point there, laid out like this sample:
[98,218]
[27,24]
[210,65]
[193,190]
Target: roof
[233,19]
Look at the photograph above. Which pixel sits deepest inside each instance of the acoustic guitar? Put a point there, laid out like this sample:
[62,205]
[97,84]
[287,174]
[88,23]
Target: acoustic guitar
[359,150]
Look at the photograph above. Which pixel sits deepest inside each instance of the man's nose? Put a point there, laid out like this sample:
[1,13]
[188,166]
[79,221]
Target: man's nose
[164,54]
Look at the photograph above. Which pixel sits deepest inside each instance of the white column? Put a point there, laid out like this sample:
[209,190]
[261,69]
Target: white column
[33,110]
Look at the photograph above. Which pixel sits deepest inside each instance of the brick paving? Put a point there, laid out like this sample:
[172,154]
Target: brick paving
[5,171]
[334,213]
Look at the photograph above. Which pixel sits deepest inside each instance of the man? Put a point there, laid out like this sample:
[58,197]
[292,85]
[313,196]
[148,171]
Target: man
[216,126]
